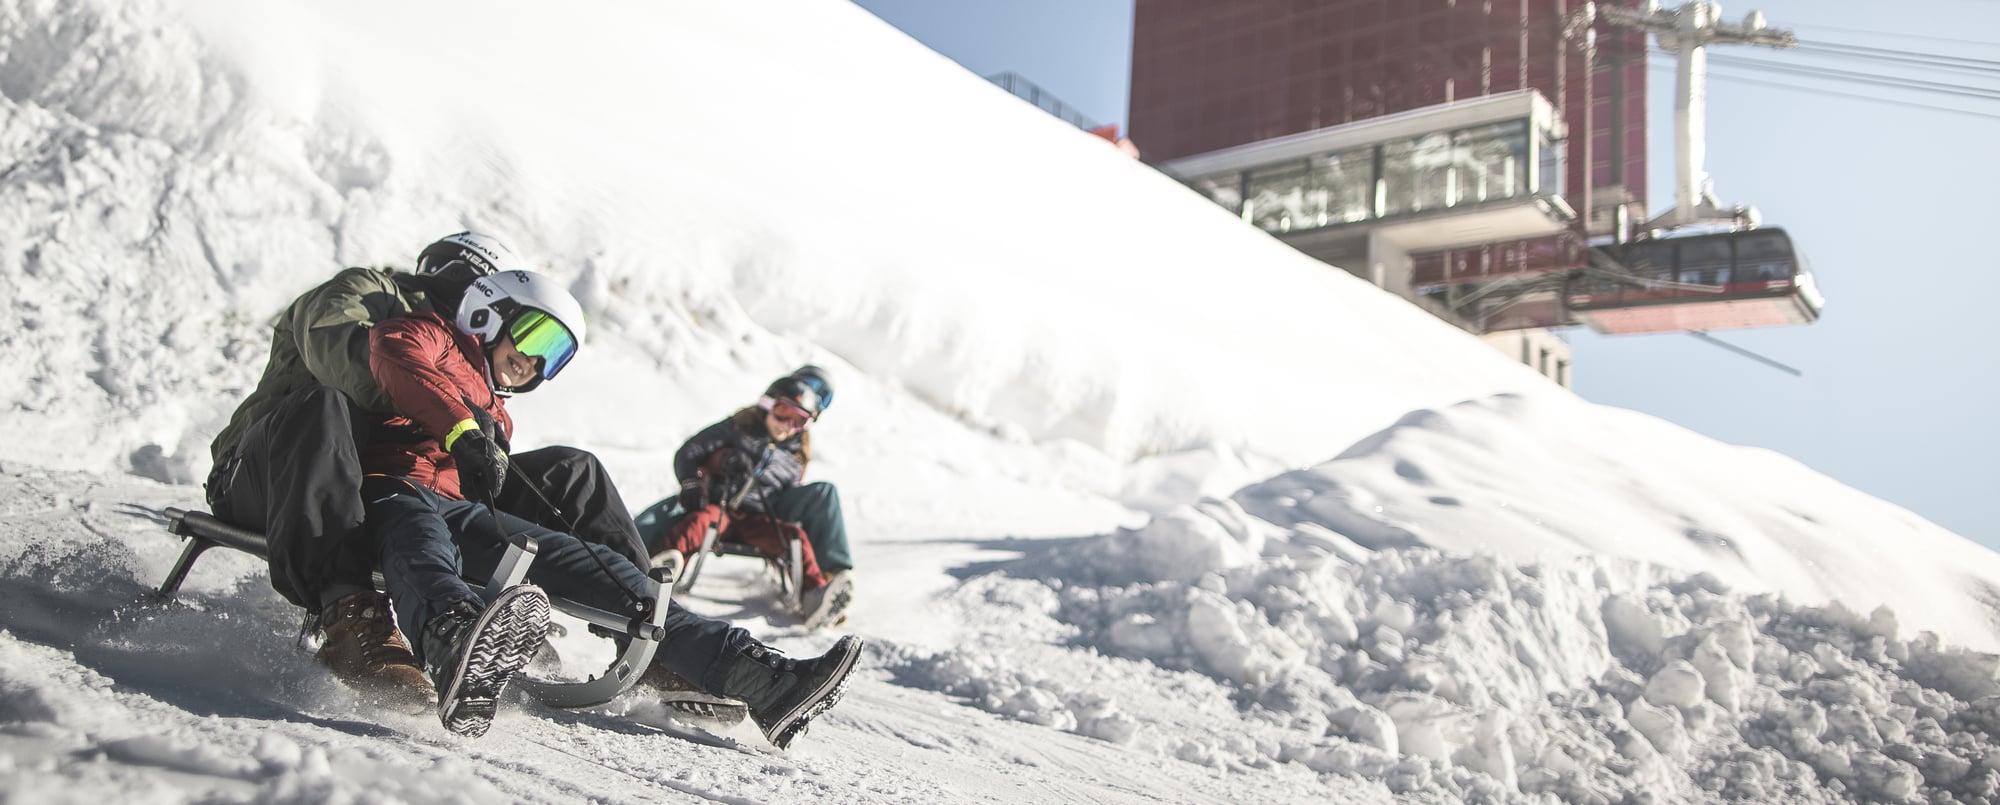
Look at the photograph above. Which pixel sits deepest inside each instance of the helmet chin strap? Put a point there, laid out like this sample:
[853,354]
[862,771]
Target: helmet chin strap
[493,381]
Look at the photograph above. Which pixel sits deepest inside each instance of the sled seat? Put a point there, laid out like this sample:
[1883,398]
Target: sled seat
[643,632]
[789,565]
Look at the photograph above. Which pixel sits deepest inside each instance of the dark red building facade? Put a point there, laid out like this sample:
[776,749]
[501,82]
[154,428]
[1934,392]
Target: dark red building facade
[1209,75]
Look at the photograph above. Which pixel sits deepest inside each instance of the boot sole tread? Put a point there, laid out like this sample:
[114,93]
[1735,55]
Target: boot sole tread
[710,711]
[832,609]
[506,638]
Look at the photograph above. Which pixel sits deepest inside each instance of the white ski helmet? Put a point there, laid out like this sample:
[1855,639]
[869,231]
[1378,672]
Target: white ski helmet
[466,255]
[545,321]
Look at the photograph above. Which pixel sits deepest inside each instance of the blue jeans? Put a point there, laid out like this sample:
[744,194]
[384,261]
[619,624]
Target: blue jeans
[431,544]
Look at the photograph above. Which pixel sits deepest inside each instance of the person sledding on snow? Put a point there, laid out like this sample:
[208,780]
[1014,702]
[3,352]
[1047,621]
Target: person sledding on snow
[429,473]
[742,476]
[285,465]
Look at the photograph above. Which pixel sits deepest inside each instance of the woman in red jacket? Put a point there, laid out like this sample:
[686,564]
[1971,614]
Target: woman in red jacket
[431,469]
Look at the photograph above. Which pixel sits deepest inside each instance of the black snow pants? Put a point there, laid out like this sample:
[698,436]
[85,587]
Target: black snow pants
[430,543]
[296,478]
[568,490]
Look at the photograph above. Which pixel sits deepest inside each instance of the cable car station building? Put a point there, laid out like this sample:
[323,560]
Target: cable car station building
[1485,159]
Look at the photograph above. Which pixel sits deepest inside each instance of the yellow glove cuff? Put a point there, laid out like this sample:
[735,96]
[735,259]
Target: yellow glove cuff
[457,431]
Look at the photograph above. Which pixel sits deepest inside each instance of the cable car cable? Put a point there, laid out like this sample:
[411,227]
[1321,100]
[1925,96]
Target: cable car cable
[1867,51]
[1737,79]
[1880,79]
[1815,51]
[1981,93]
[1703,335]
[1870,32]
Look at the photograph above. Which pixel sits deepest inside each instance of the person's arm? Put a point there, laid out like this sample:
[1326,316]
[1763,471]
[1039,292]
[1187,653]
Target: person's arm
[696,450]
[333,323]
[407,356]
[689,459]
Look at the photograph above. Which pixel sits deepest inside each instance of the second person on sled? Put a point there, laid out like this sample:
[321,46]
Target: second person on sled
[744,476]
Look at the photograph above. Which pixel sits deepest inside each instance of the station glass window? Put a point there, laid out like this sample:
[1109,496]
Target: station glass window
[1399,177]
[1225,189]
[1490,162]
[1342,186]
[1276,198]
[1435,183]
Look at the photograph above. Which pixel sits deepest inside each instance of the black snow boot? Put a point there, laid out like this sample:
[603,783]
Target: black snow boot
[786,694]
[471,654]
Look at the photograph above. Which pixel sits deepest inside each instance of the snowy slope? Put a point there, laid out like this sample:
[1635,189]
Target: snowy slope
[1148,507]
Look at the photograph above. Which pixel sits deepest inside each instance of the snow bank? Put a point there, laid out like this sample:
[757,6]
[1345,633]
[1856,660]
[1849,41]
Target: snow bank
[1535,477]
[1469,678]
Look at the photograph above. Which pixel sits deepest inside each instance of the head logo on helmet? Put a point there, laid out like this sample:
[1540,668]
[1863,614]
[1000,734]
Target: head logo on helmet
[464,257]
[544,320]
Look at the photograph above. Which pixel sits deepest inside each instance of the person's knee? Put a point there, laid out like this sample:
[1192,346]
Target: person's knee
[561,455]
[817,495]
[388,500]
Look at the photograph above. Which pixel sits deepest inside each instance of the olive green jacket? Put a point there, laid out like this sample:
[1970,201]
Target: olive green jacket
[322,339]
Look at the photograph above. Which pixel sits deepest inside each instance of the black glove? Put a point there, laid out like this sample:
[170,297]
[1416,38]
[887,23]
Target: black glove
[482,465]
[692,497]
[488,425]
[733,477]
[735,464]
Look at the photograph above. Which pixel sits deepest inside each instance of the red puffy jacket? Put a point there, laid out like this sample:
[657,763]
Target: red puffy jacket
[434,373]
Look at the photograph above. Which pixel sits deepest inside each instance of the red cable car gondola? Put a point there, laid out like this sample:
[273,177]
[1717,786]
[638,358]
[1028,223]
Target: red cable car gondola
[1752,278]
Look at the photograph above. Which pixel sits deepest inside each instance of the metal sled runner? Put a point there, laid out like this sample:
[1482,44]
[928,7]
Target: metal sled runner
[203,531]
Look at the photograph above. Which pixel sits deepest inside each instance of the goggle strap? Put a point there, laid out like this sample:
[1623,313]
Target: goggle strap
[770,403]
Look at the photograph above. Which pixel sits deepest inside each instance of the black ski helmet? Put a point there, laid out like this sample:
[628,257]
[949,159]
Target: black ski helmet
[815,378]
[464,257]
[793,391]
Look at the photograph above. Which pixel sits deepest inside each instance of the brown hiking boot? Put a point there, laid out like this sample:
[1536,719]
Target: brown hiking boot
[364,649]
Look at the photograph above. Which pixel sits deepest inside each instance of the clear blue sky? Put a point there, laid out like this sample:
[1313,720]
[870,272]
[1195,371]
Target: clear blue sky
[1891,204]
